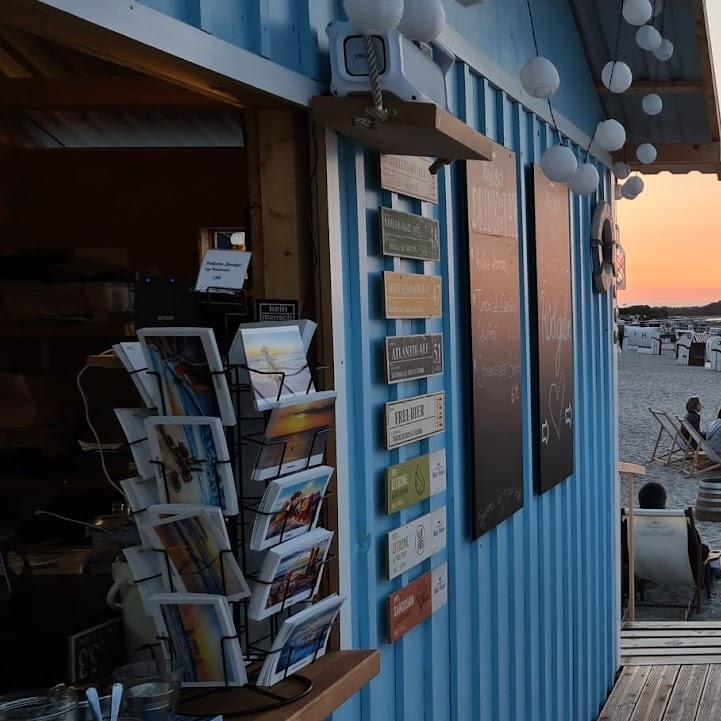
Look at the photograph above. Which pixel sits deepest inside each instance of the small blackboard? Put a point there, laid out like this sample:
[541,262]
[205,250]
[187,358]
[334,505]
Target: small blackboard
[405,235]
[275,310]
[554,344]
[495,319]
[95,652]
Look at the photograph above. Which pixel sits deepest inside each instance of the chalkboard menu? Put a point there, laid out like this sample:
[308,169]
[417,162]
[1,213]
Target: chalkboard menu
[554,309]
[495,318]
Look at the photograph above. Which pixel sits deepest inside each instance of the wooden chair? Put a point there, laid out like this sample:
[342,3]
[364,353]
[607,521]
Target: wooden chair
[678,448]
[699,455]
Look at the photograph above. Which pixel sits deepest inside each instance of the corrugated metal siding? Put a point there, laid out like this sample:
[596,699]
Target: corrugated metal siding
[529,633]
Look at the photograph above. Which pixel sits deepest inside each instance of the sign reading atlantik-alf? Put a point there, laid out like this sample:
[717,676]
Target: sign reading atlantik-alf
[411,544]
[410,295]
[413,419]
[414,481]
[410,357]
[405,235]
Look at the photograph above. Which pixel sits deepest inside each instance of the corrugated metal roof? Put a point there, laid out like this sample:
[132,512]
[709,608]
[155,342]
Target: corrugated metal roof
[689,119]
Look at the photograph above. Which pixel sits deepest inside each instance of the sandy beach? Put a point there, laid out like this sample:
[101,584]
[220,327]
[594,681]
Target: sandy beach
[658,382]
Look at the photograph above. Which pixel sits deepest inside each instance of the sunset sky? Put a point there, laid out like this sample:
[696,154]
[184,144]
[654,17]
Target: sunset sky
[671,232]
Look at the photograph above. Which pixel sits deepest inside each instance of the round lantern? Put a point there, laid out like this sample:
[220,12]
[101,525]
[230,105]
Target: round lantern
[657,7]
[422,20]
[540,78]
[374,17]
[559,164]
[616,76]
[632,188]
[648,38]
[621,170]
[585,181]
[610,135]
[652,104]
[646,153]
[665,51]
[637,12]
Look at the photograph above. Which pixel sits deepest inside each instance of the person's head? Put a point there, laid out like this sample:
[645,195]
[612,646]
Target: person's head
[693,405]
[652,495]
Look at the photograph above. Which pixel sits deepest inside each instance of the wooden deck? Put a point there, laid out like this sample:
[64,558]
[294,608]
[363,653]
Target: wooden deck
[671,672]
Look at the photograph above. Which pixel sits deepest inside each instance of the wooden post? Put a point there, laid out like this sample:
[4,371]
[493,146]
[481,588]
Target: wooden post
[631,470]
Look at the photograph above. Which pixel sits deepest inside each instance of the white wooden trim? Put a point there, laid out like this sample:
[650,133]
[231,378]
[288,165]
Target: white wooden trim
[343,443]
[190,44]
[511,85]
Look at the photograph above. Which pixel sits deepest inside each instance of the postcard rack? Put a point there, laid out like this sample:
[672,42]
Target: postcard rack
[254,637]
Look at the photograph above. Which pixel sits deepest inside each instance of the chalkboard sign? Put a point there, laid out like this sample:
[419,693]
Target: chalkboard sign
[495,317]
[554,309]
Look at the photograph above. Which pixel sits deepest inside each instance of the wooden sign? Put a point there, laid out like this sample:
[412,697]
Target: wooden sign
[410,176]
[409,295]
[416,602]
[495,329]
[414,481]
[554,352]
[414,419]
[413,543]
[410,357]
[405,235]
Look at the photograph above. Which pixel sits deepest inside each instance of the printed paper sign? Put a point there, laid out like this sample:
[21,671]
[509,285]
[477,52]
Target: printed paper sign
[414,481]
[413,543]
[413,419]
[277,310]
[223,270]
[416,602]
[410,295]
[405,235]
[410,357]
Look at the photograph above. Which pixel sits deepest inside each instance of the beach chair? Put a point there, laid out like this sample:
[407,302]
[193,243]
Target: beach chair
[667,553]
[679,445]
[699,455]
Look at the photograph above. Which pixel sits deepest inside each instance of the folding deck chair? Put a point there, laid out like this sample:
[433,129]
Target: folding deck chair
[702,458]
[678,449]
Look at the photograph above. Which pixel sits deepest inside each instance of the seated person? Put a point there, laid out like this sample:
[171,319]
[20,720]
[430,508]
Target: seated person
[693,418]
[713,434]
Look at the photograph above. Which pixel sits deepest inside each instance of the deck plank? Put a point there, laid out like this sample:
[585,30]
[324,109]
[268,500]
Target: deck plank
[656,693]
[671,634]
[676,660]
[681,625]
[686,696]
[624,696]
[672,642]
[710,706]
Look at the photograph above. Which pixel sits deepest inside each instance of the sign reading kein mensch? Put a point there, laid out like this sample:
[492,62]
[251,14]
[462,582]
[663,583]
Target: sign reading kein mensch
[414,419]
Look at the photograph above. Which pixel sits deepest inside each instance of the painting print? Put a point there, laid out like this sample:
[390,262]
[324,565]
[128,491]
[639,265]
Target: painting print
[554,300]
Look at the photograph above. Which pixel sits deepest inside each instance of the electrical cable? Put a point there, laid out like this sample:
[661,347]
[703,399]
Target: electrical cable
[72,520]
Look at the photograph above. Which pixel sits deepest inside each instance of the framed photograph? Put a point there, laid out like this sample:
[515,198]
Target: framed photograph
[290,507]
[189,375]
[132,421]
[295,436]
[195,625]
[191,461]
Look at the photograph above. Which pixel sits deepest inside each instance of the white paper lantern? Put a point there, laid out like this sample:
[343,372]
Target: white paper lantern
[540,78]
[621,170]
[632,188]
[652,104]
[646,153]
[374,17]
[585,181]
[657,7]
[637,12]
[616,76]
[648,38]
[665,51]
[422,20]
[559,164]
[610,135]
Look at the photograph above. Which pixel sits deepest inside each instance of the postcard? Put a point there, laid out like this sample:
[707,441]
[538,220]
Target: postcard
[291,572]
[191,461]
[199,558]
[161,511]
[290,507]
[147,572]
[302,639]
[131,356]
[189,377]
[200,634]
[276,364]
[141,493]
[294,438]
[132,421]
[306,328]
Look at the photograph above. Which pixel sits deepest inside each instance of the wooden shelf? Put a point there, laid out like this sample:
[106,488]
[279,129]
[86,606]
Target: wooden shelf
[420,129]
[336,677]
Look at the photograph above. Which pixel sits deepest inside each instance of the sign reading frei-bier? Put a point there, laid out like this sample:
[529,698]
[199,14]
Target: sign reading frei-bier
[405,235]
[410,295]
[413,419]
[410,357]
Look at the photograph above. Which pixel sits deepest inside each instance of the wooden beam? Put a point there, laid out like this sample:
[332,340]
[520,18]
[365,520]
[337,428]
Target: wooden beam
[100,92]
[672,87]
[669,154]
[707,68]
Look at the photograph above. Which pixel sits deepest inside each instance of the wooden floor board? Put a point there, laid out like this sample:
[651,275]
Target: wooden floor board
[624,696]
[686,696]
[656,693]
[710,706]
[672,642]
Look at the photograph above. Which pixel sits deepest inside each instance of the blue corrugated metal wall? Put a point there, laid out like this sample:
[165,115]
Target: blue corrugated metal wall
[529,633]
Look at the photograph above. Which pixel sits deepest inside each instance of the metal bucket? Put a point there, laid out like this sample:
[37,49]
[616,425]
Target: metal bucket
[708,500]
